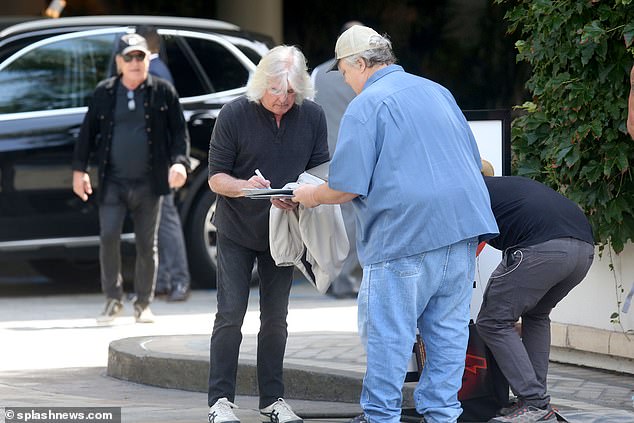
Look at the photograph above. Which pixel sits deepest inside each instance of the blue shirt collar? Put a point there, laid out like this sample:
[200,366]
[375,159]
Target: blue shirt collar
[381,73]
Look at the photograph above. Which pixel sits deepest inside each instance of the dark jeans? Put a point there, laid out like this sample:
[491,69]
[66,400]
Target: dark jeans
[137,198]
[528,283]
[172,267]
[235,264]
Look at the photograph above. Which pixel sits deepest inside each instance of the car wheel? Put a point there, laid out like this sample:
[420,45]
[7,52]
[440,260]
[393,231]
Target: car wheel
[200,236]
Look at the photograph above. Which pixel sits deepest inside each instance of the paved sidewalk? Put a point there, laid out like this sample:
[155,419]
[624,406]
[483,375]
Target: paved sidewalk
[329,366]
[52,354]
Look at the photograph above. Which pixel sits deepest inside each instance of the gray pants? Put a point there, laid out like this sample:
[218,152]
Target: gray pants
[143,205]
[349,280]
[528,283]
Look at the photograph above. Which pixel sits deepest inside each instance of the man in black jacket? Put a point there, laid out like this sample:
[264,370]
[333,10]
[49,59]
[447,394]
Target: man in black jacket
[547,247]
[136,126]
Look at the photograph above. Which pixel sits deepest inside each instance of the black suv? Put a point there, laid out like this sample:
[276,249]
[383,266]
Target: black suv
[48,71]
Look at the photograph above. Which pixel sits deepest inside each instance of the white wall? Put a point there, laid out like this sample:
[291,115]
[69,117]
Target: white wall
[593,301]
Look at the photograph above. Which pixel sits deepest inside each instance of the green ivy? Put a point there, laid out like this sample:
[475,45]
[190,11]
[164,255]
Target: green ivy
[572,135]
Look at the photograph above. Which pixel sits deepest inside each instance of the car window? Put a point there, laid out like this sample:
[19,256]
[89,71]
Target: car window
[186,79]
[253,55]
[224,70]
[58,75]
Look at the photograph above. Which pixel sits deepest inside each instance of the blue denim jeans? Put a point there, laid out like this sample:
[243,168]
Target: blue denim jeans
[235,264]
[173,269]
[429,291]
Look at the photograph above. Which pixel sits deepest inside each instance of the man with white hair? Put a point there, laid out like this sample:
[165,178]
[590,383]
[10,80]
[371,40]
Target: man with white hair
[408,161]
[273,132]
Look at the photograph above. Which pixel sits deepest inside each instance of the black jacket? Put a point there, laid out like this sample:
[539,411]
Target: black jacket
[165,125]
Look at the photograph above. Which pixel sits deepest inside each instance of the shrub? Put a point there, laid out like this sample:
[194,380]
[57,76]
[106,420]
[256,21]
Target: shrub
[572,135]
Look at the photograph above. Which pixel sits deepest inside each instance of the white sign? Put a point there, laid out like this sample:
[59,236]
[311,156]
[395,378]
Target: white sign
[494,144]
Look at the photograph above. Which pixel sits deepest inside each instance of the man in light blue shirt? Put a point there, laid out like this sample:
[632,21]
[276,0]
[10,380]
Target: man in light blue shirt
[409,163]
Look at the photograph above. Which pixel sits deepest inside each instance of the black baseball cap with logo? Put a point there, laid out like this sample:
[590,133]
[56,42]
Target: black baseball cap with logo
[132,42]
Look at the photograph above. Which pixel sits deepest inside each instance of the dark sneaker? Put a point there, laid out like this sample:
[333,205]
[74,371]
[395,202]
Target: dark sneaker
[112,309]
[280,412]
[528,414]
[221,412]
[143,314]
[161,290]
[179,293]
[513,406]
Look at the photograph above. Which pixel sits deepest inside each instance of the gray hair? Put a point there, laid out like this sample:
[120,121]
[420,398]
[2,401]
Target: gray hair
[283,65]
[380,54]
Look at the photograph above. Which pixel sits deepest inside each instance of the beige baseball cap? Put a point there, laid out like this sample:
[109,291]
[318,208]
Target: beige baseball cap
[354,40]
[487,168]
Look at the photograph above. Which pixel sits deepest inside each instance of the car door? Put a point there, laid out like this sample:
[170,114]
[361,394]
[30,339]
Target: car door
[208,71]
[45,89]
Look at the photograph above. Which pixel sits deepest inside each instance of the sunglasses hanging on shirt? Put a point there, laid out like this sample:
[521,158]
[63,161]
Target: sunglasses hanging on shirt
[131,102]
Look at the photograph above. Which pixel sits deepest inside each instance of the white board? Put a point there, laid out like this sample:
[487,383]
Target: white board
[493,143]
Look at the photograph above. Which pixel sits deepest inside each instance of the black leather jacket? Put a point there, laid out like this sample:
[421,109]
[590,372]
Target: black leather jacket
[165,125]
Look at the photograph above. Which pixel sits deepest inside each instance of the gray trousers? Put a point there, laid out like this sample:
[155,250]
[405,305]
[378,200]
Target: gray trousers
[528,283]
[143,205]
[349,280]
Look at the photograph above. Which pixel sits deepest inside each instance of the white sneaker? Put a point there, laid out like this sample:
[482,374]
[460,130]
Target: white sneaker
[112,309]
[280,412]
[143,314]
[221,412]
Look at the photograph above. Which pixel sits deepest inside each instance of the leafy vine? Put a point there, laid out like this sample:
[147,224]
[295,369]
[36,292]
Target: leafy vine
[572,134]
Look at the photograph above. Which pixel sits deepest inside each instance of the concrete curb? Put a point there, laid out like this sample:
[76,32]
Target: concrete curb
[129,359]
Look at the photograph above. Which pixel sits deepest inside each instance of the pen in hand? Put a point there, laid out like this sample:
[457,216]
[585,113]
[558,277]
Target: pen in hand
[257,172]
